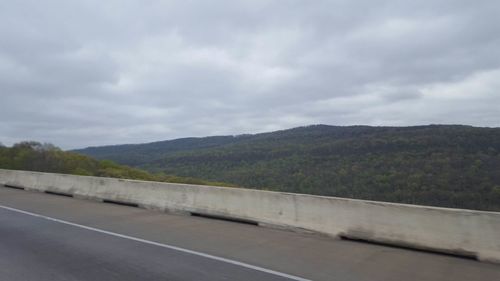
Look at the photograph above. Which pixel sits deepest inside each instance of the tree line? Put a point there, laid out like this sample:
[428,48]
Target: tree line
[35,156]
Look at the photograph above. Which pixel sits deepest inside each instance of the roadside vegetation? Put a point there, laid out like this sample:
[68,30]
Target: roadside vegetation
[35,156]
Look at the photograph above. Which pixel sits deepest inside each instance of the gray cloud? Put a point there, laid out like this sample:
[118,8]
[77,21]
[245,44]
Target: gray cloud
[86,73]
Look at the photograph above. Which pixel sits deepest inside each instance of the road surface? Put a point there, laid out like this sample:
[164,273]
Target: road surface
[49,237]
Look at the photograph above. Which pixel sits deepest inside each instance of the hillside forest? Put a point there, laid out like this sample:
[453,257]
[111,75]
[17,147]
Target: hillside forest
[438,165]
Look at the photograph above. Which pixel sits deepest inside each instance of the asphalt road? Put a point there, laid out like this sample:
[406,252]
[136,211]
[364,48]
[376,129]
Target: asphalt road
[37,248]
[48,237]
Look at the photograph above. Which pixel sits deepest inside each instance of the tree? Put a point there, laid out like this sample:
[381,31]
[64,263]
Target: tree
[35,156]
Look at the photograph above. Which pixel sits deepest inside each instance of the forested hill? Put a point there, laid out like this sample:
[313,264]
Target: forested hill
[440,165]
[34,156]
[138,154]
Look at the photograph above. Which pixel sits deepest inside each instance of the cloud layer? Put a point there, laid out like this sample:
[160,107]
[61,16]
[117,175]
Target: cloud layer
[81,73]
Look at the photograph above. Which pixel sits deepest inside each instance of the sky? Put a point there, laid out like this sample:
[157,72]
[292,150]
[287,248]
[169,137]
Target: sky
[87,73]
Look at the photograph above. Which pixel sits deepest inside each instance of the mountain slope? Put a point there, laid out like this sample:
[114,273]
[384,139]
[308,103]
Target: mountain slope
[34,156]
[138,154]
[441,165]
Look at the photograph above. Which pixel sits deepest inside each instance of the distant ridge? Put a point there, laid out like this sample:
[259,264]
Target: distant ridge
[441,165]
[145,152]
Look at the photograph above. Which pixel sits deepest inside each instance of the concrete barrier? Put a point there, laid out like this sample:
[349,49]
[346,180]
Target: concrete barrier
[456,231]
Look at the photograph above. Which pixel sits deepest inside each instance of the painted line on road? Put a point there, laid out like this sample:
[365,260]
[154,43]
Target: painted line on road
[242,264]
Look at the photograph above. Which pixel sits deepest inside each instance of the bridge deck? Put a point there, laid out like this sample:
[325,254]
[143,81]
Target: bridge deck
[36,248]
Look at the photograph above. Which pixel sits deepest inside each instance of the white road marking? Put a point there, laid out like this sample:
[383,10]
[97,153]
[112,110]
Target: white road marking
[242,264]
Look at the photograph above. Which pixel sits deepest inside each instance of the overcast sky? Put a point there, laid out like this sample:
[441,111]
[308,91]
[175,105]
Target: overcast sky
[82,73]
